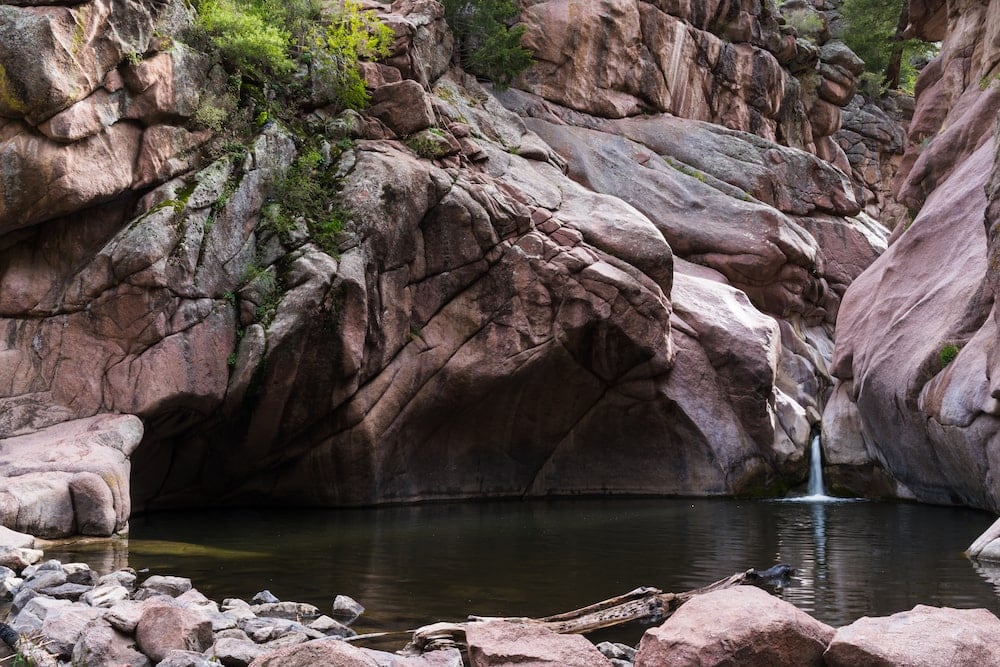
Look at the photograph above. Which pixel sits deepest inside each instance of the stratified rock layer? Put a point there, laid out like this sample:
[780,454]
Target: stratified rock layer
[554,297]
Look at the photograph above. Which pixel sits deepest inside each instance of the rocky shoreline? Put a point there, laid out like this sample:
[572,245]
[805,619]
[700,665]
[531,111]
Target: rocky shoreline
[69,614]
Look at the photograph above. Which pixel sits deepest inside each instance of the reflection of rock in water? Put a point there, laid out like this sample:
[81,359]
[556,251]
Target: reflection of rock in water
[988,571]
[101,554]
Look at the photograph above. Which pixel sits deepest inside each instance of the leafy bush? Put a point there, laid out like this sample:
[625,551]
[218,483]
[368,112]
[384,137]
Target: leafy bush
[487,44]
[265,40]
[245,36]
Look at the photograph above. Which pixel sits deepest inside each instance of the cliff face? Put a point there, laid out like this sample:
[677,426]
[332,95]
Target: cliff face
[547,294]
[909,416]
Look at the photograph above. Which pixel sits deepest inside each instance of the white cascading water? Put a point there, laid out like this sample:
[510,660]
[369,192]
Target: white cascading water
[816,469]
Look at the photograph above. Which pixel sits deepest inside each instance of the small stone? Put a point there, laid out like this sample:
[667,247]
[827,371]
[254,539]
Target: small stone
[31,617]
[291,610]
[107,595]
[172,586]
[346,609]
[181,658]
[125,615]
[264,597]
[331,627]
[125,578]
[62,627]
[66,591]
[237,652]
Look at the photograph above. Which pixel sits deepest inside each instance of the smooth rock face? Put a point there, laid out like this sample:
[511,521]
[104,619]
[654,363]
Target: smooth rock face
[504,320]
[742,625]
[915,413]
[501,644]
[921,637]
[70,478]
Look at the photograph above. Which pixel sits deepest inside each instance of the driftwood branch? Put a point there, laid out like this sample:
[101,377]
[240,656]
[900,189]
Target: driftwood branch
[642,604]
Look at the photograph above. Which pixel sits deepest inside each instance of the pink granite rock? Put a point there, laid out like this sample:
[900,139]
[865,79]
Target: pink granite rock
[922,637]
[503,644]
[742,625]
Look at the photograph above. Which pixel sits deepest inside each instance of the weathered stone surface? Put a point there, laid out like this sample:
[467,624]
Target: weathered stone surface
[163,628]
[69,478]
[168,585]
[987,545]
[502,644]
[743,625]
[925,422]
[922,637]
[100,644]
[62,628]
[403,106]
[321,652]
[237,652]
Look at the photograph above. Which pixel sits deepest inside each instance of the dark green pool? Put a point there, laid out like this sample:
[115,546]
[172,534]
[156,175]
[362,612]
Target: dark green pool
[414,565]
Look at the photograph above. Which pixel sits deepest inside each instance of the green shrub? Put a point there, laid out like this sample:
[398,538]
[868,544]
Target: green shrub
[307,192]
[487,44]
[246,37]
[264,40]
[948,354]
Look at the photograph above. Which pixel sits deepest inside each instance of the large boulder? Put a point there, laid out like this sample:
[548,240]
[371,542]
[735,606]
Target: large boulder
[70,478]
[319,652]
[504,644]
[922,637]
[742,625]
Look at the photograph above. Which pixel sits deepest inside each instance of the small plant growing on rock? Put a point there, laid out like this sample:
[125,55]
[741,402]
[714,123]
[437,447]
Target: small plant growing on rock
[308,194]
[948,354]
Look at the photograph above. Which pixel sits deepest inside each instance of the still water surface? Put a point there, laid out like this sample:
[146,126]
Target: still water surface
[415,565]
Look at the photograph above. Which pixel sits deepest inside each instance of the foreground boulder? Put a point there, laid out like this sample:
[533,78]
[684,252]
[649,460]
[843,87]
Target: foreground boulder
[743,625]
[922,637]
[503,644]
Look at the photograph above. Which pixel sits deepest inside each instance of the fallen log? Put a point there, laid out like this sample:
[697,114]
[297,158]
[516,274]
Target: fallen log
[646,604]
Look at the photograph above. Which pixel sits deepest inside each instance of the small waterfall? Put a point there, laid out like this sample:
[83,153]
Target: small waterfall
[816,468]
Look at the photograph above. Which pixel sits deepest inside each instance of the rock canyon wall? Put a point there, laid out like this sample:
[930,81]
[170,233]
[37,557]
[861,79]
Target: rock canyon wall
[914,413]
[619,276]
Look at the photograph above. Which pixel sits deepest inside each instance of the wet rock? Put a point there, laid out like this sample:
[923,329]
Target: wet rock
[289,610]
[331,627]
[496,643]
[743,623]
[921,637]
[346,609]
[264,597]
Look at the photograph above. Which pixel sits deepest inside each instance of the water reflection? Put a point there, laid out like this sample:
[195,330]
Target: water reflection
[414,565]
